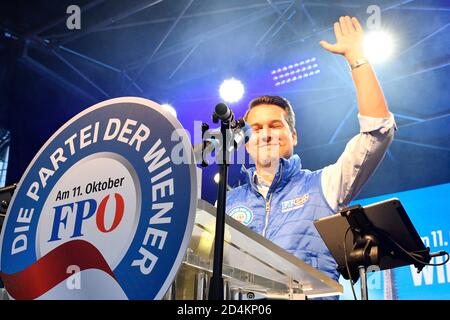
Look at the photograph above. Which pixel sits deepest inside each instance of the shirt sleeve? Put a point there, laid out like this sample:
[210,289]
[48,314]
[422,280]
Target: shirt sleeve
[343,180]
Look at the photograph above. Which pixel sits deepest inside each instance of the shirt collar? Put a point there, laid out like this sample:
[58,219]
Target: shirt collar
[288,167]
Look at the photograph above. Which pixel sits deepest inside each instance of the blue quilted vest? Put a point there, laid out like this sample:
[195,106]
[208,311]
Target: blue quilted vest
[286,215]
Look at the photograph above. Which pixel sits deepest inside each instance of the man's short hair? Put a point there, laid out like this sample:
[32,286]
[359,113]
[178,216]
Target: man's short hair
[277,101]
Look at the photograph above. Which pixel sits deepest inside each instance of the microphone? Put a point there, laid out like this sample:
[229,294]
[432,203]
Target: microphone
[225,114]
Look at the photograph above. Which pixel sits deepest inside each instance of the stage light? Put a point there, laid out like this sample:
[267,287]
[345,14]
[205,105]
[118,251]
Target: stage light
[295,71]
[217,178]
[231,90]
[170,109]
[378,46]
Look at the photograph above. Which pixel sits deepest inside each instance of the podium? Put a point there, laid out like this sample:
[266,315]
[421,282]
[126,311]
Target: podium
[254,267]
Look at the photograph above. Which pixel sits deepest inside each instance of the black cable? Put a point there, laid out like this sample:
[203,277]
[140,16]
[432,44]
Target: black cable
[412,254]
[445,253]
[441,253]
[346,263]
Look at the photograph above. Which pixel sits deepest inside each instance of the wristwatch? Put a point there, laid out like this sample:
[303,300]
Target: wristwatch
[358,63]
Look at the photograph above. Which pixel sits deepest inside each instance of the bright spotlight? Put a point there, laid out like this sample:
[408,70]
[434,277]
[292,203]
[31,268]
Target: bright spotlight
[378,46]
[231,90]
[217,178]
[170,109]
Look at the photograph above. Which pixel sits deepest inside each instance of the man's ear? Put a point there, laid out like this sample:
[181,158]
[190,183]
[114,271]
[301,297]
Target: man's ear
[294,137]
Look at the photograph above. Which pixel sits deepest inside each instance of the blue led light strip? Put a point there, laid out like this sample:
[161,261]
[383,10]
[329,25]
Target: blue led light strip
[294,72]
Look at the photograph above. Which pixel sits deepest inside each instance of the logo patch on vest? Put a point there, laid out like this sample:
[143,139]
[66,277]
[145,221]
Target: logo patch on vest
[293,204]
[242,214]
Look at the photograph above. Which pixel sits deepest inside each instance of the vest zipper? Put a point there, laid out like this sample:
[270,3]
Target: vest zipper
[268,204]
[267,214]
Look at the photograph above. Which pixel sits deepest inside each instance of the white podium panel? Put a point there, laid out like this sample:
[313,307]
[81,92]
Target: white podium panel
[254,267]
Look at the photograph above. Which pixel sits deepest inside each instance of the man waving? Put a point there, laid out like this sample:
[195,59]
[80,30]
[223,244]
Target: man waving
[280,199]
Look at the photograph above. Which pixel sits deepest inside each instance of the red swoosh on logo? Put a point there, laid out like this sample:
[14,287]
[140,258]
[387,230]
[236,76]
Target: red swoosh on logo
[51,269]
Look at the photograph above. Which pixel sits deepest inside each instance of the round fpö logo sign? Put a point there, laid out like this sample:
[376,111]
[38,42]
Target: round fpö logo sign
[112,197]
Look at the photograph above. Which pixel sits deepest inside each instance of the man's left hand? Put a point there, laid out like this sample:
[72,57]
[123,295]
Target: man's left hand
[349,39]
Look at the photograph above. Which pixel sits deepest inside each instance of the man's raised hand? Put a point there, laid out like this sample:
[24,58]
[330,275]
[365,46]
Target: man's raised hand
[349,39]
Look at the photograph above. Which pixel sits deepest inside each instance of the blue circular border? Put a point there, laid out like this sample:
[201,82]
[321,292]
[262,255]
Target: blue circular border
[162,125]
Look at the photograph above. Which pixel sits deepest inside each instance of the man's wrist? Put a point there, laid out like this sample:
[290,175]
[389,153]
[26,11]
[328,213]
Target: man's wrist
[358,63]
[353,57]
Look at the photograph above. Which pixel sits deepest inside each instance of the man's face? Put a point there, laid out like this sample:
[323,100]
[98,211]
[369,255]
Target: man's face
[271,136]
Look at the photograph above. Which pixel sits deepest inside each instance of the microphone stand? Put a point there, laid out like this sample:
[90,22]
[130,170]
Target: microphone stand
[227,125]
[216,287]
